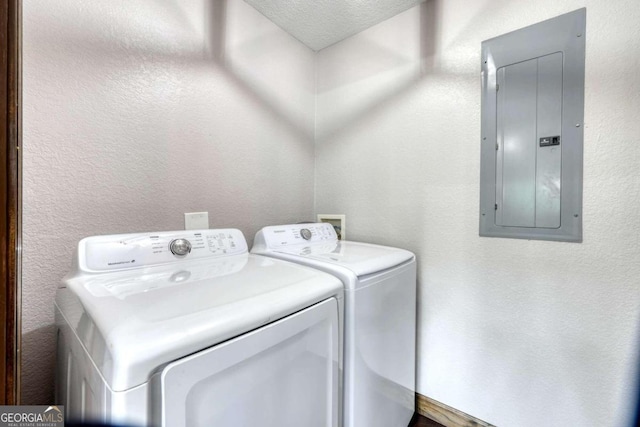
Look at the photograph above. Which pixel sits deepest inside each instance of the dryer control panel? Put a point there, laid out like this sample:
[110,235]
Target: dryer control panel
[125,251]
[279,236]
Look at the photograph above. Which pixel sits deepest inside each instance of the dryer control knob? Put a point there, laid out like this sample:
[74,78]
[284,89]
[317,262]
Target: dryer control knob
[180,247]
[305,233]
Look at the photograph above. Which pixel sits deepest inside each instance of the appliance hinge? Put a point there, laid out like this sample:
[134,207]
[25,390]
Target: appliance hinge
[496,206]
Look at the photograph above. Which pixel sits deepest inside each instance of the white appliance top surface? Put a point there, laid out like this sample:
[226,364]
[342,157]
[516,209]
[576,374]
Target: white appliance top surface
[324,246]
[133,320]
[361,258]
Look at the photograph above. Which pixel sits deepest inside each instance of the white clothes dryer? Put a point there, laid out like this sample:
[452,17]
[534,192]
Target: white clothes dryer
[186,328]
[380,317]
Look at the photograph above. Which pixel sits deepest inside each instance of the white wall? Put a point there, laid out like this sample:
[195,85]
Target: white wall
[515,332]
[136,112]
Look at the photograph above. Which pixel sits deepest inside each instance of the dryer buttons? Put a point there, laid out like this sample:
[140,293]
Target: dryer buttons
[180,247]
[305,233]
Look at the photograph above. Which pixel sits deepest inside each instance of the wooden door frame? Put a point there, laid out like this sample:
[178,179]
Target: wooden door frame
[10,196]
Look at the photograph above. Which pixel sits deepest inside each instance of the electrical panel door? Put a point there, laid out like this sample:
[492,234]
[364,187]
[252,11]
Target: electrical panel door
[532,111]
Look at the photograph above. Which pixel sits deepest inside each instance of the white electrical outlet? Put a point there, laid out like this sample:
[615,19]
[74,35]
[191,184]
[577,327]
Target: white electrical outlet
[196,220]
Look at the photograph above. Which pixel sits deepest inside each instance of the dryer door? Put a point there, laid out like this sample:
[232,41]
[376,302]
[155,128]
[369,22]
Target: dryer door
[282,374]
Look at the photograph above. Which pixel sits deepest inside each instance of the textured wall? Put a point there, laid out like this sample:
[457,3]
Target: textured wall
[136,112]
[515,332]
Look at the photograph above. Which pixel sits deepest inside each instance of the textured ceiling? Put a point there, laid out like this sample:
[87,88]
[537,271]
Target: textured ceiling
[321,23]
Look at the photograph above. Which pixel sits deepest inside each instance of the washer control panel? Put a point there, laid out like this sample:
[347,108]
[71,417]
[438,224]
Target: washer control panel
[124,251]
[279,236]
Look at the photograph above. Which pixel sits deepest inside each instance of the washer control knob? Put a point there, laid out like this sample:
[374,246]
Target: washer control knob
[180,247]
[305,233]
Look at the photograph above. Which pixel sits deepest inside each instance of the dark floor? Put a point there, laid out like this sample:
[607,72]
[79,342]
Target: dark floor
[420,421]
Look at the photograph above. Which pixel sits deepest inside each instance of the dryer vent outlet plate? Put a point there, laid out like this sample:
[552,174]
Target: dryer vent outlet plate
[339,222]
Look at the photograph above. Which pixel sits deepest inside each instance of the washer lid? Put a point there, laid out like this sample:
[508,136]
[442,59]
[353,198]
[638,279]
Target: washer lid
[322,244]
[133,321]
[361,258]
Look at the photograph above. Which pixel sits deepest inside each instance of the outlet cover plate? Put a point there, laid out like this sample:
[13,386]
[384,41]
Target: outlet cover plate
[196,221]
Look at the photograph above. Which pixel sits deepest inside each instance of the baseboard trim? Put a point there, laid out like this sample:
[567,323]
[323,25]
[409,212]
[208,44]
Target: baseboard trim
[446,415]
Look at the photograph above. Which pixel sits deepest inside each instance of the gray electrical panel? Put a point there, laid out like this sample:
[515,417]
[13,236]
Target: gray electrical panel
[532,131]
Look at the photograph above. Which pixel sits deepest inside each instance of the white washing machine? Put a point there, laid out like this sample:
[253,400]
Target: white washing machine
[380,317]
[187,328]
